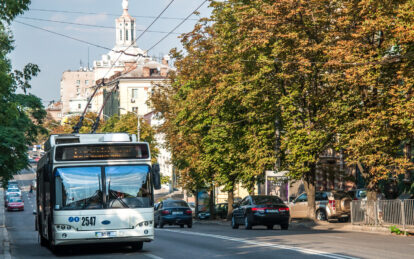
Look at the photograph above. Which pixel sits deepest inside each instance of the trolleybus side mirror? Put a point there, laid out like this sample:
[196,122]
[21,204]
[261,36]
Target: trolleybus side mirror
[156,176]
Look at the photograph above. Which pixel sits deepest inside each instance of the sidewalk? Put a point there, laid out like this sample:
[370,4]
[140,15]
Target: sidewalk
[312,225]
[4,236]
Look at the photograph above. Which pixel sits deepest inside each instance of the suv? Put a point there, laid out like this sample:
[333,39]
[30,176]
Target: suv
[329,205]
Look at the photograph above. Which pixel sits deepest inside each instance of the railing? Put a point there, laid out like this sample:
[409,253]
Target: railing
[383,213]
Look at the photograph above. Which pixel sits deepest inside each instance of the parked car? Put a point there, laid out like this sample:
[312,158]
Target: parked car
[220,210]
[328,205]
[192,207]
[173,212]
[260,210]
[15,203]
[358,194]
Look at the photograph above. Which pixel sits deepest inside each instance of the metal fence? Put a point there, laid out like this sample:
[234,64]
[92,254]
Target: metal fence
[383,213]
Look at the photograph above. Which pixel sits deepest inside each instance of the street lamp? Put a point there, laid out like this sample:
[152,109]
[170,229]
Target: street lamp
[106,116]
[138,124]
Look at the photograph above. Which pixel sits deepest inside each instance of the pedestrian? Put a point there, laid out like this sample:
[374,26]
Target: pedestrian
[31,188]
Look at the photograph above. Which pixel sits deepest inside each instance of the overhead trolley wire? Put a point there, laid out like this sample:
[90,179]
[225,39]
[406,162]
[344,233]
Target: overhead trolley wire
[176,27]
[84,24]
[63,35]
[110,14]
[96,124]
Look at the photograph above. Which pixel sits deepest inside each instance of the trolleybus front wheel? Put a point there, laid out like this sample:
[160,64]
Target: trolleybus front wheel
[137,246]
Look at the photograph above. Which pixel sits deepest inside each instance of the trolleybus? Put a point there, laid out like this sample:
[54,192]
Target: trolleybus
[95,188]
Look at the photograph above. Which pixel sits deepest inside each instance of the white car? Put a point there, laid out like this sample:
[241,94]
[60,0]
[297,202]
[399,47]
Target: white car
[13,190]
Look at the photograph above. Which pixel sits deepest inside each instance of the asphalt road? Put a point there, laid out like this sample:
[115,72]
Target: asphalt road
[214,241]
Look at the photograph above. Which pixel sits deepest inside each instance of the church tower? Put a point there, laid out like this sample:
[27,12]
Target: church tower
[125,28]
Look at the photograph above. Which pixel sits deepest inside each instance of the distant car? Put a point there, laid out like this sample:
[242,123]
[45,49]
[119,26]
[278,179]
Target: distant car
[15,203]
[192,207]
[12,184]
[260,210]
[173,212]
[328,205]
[220,210]
[15,190]
[10,195]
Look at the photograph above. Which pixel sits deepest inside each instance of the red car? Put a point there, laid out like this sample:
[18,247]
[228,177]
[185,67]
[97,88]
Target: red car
[15,203]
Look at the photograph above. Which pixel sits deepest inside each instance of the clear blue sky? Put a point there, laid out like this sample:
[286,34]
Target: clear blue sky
[55,54]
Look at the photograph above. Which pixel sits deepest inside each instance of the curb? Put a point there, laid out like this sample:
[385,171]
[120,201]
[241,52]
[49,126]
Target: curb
[310,225]
[4,235]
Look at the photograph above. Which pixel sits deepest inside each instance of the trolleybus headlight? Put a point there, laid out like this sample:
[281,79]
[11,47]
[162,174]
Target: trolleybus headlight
[146,223]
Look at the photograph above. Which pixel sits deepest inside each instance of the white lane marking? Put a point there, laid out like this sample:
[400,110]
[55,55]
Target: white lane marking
[264,244]
[153,256]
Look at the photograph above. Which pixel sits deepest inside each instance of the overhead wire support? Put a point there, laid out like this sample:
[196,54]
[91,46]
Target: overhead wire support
[98,117]
[79,125]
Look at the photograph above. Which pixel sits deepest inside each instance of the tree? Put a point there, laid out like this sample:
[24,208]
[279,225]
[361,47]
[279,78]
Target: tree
[378,105]
[128,123]
[20,114]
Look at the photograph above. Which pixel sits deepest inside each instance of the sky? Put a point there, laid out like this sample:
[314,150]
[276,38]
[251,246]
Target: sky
[55,54]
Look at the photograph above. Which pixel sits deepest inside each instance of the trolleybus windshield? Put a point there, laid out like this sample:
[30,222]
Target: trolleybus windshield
[103,187]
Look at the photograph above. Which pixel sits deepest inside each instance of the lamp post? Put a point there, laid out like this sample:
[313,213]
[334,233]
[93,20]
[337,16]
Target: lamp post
[138,124]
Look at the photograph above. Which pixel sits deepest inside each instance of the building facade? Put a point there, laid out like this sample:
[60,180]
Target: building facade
[75,87]
[54,111]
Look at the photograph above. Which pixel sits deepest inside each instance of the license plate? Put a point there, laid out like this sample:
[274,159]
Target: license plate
[105,234]
[177,213]
[272,211]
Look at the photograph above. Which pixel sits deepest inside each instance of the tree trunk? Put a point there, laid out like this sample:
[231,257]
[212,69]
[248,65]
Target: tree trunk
[407,155]
[196,204]
[309,181]
[211,204]
[230,201]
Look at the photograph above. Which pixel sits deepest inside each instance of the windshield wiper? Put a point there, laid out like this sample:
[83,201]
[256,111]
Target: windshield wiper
[113,193]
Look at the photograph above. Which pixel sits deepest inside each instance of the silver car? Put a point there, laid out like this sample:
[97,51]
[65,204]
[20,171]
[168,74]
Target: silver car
[328,205]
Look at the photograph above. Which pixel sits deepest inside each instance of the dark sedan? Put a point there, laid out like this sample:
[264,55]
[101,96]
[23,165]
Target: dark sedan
[260,210]
[173,212]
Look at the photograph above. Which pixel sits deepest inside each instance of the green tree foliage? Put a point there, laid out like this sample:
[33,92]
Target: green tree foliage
[378,103]
[128,123]
[311,74]
[20,114]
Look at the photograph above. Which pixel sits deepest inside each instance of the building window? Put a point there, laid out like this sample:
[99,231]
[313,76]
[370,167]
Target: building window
[126,35]
[77,82]
[89,106]
[86,82]
[79,106]
[132,30]
[134,93]
[120,34]
[77,90]
[135,109]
